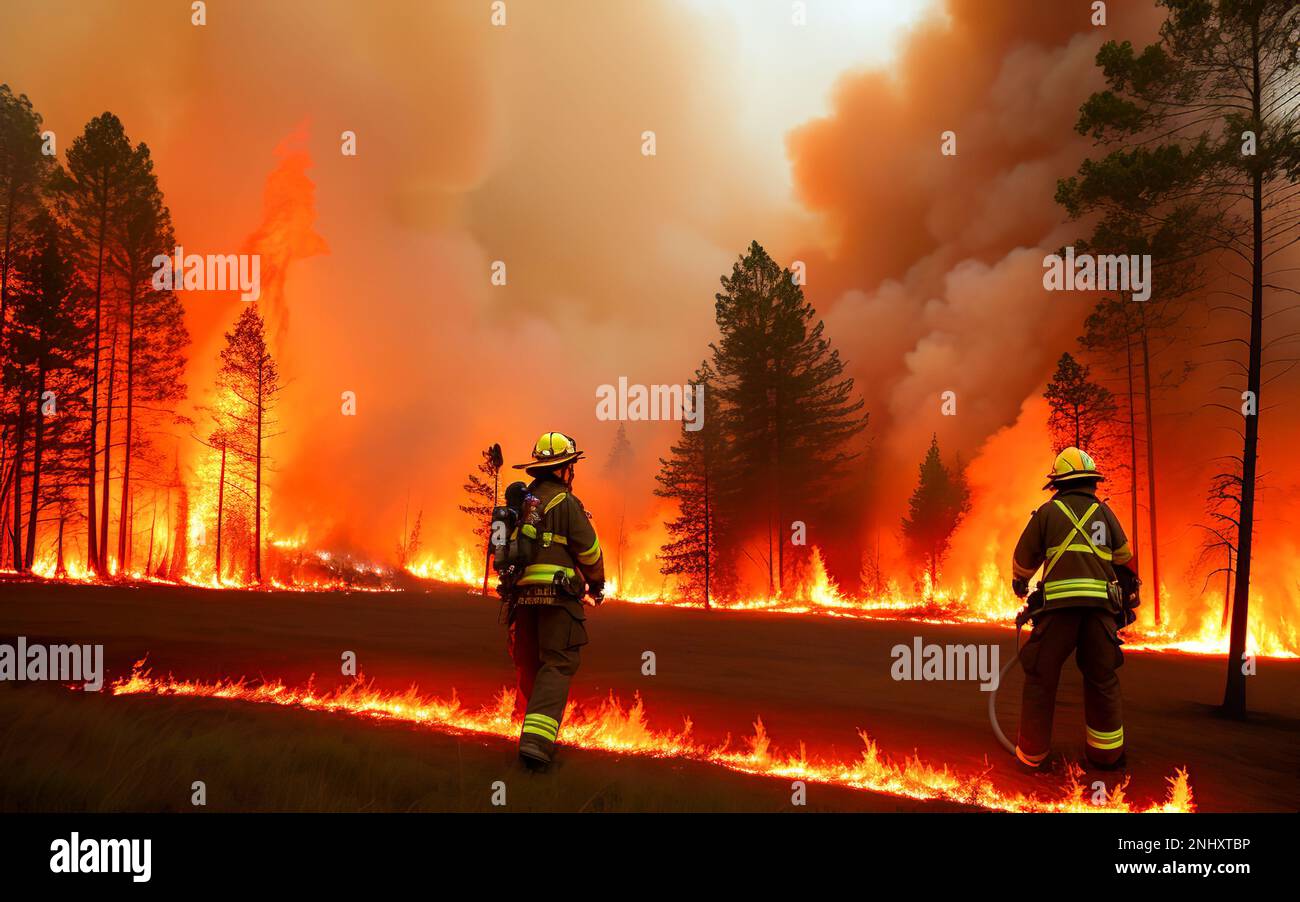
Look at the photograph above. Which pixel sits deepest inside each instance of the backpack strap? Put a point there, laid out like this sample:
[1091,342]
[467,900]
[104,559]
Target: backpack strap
[1068,543]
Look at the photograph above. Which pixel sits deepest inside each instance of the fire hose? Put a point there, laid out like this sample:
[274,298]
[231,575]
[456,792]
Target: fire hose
[993,695]
[1021,619]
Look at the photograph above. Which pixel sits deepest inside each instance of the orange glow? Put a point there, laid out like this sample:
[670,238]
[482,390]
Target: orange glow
[611,726]
[985,602]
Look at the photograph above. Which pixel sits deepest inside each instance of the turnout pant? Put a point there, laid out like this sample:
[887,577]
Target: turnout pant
[545,640]
[1090,633]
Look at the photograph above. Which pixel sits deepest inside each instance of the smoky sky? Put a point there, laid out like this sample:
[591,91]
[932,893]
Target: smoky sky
[523,145]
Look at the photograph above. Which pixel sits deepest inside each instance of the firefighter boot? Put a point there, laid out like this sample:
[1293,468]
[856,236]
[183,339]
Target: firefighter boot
[533,754]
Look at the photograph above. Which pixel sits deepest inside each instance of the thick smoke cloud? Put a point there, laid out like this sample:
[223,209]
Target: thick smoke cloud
[929,273]
[522,144]
[475,144]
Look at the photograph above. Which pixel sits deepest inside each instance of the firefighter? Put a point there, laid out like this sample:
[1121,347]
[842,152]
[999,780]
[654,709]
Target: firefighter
[547,620]
[1083,600]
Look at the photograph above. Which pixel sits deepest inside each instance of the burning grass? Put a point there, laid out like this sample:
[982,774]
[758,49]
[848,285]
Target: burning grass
[819,596]
[612,726]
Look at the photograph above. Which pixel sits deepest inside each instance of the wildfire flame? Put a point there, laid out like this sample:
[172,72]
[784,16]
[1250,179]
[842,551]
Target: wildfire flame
[987,602]
[613,727]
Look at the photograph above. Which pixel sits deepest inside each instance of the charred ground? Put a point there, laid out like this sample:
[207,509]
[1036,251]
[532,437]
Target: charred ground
[809,679]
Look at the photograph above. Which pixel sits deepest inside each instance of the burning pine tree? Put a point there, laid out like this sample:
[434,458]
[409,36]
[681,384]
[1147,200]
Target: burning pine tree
[787,410]
[248,388]
[690,477]
[42,352]
[937,506]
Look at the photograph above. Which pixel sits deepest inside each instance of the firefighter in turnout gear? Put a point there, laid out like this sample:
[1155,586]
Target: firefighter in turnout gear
[547,619]
[1087,594]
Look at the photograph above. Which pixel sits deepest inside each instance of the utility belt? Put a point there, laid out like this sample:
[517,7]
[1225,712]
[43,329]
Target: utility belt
[565,584]
[536,595]
[1116,599]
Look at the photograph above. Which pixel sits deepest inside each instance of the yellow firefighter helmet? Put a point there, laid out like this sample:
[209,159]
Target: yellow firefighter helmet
[553,449]
[1070,465]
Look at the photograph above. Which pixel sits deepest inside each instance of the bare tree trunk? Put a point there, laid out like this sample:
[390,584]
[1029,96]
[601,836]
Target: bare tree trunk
[19,437]
[708,540]
[1132,446]
[1227,592]
[5,482]
[221,503]
[123,546]
[1234,692]
[92,546]
[61,568]
[1151,473]
[153,523]
[487,561]
[257,501]
[108,450]
[38,448]
[771,585]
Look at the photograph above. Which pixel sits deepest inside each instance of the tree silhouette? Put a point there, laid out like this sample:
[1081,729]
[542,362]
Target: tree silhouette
[1082,412]
[91,194]
[787,408]
[689,477]
[154,321]
[483,491]
[24,170]
[250,379]
[938,504]
[43,352]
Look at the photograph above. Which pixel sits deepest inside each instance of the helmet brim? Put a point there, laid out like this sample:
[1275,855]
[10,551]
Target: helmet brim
[1053,480]
[549,463]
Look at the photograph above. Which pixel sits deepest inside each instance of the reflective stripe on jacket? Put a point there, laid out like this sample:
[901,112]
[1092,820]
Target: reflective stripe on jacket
[566,540]
[1078,541]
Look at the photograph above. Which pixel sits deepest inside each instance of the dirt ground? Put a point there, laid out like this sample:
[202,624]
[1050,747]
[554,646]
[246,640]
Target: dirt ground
[812,679]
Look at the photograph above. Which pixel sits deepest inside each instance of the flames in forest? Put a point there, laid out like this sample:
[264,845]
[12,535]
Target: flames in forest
[986,601]
[344,548]
[612,726]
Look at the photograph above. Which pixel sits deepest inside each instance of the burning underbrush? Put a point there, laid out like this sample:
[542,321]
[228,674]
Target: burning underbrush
[989,600]
[612,726]
[292,567]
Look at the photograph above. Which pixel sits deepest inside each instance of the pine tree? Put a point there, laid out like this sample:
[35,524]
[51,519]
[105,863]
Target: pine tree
[43,352]
[91,194]
[409,544]
[24,171]
[1082,412]
[1121,333]
[154,321]
[484,491]
[788,410]
[937,506]
[1110,334]
[250,380]
[1205,120]
[689,478]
